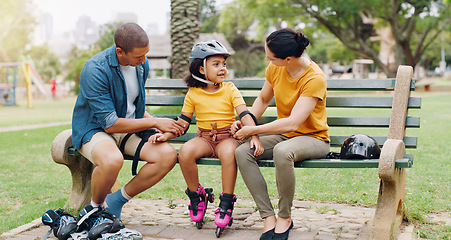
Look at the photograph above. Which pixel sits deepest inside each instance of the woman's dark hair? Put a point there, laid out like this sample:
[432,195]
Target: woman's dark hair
[129,36]
[287,43]
[194,69]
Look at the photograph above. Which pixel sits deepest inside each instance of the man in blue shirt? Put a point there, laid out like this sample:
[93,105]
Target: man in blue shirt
[110,104]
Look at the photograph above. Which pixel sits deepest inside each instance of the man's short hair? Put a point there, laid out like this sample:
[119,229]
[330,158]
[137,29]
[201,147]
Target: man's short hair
[130,36]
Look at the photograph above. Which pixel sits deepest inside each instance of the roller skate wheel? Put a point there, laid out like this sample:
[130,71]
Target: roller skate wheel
[219,231]
[211,198]
[230,222]
[199,225]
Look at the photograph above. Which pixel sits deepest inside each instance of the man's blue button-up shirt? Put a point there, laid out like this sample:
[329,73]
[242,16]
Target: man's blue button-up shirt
[102,99]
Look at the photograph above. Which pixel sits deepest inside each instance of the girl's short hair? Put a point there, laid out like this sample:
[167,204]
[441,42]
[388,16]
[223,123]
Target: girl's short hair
[194,69]
[287,43]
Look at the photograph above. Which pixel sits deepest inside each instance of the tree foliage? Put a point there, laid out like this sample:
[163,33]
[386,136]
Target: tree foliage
[78,57]
[208,16]
[106,38]
[248,59]
[45,61]
[328,48]
[415,24]
[246,30]
[16,27]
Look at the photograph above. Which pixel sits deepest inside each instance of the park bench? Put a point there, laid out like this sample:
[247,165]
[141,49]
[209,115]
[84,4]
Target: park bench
[425,83]
[387,97]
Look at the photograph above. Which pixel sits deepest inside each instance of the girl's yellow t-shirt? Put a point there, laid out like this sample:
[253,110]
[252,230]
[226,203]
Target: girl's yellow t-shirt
[216,107]
[312,83]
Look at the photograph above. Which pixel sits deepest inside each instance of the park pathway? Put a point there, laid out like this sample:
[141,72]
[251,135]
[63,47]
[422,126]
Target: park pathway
[33,126]
[169,219]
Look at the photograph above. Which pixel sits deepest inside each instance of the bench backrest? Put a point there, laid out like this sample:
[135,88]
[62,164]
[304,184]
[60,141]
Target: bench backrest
[353,106]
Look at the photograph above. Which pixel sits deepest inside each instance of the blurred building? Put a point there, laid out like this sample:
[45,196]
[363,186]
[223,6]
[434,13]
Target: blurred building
[125,17]
[44,29]
[86,32]
[152,29]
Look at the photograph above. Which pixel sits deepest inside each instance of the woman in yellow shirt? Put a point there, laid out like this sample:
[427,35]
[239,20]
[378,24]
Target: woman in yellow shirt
[215,103]
[300,131]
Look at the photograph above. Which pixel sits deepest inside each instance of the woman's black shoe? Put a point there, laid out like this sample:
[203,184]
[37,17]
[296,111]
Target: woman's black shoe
[284,235]
[267,235]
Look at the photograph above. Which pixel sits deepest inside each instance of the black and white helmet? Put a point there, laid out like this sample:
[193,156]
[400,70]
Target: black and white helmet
[360,146]
[204,49]
[207,48]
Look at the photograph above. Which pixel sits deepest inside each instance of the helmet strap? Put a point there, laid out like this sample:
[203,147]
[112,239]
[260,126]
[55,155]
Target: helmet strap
[205,68]
[205,73]
[203,80]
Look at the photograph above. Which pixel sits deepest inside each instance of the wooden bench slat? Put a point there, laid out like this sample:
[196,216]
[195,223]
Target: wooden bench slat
[335,140]
[343,102]
[356,121]
[164,100]
[335,121]
[338,121]
[165,84]
[242,84]
[405,162]
[368,102]
[256,84]
[363,84]
[409,141]
[172,100]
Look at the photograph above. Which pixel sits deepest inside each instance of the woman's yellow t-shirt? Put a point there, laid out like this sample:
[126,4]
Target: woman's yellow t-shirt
[216,107]
[287,91]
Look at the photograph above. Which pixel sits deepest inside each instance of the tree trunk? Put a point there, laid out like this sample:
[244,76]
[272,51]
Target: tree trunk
[184,31]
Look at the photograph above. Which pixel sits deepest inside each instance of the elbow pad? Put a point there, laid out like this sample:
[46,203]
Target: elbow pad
[247,112]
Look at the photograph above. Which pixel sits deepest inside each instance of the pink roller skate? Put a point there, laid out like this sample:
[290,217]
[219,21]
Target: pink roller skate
[224,212]
[198,204]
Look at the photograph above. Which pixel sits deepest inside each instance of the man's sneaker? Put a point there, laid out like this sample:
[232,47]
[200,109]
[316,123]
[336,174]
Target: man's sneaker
[62,223]
[124,233]
[98,221]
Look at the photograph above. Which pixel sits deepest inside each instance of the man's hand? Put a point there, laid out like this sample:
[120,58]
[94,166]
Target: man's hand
[235,127]
[169,125]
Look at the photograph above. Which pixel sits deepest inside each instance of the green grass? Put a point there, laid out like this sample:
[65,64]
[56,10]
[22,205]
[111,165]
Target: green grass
[42,111]
[31,183]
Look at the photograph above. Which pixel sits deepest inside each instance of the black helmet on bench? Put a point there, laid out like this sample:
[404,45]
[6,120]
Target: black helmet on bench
[360,146]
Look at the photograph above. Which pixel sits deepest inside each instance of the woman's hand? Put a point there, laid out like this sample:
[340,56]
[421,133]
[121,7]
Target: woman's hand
[244,133]
[235,127]
[256,145]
